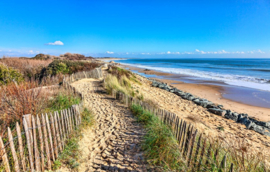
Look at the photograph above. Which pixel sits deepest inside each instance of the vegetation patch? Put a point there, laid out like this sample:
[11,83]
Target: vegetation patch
[160,146]
[67,67]
[71,154]
[8,75]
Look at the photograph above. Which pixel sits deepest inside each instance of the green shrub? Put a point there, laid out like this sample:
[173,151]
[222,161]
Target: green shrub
[63,101]
[67,67]
[8,74]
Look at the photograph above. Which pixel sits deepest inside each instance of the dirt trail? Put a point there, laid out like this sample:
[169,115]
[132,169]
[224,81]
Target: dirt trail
[113,143]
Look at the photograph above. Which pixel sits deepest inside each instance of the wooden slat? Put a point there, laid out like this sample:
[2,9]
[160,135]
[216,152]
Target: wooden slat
[13,151]
[67,120]
[192,146]
[36,152]
[41,143]
[231,168]
[21,146]
[209,158]
[57,132]
[189,134]
[4,155]
[197,149]
[63,126]
[44,124]
[184,137]
[216,157]
[60,130]
[223,162]
[179,131]
[27,133]
[54,136]
[182,134]
[70,120]
[202,154]
[50,136]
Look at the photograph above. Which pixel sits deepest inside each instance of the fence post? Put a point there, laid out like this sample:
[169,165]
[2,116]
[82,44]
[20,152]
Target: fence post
[197,150]
[20,145]
[4,155]
[50,136]
[202,153]
[54,135]
[60,129]
[46,142]
[41,143]
[28,144]
[13,151]
[57,131]
[36,152]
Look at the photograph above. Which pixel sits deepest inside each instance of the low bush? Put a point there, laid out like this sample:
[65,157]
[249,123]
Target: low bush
[67,67]
[8,75]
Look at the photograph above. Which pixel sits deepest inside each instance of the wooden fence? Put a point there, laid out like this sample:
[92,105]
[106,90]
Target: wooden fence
[37,143]
[198,152]
[42,140]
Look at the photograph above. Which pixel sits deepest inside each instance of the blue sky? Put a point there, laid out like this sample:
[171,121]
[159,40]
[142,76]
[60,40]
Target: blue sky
[231,28]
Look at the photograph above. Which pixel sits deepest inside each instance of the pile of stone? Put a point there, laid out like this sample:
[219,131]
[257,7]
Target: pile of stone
[250,123]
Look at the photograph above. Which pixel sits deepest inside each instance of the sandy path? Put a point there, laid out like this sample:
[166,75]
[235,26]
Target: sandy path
[113,143]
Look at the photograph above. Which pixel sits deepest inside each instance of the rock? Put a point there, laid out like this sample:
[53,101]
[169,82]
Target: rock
[172,90]
[220,106]
[205,103]
[217,111]
[112,62]
[231,115]
[247,122]
[161,85]
[147,70]
[197,101]
[241,115]
[259,129]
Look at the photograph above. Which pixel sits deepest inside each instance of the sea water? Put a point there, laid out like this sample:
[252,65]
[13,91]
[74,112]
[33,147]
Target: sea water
[246,80]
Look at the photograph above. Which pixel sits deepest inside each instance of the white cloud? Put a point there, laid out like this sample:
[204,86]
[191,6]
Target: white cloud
[127,53]
[168,52]
[31,52]
[260,51]
[197,50]
[55,43]
[109,52]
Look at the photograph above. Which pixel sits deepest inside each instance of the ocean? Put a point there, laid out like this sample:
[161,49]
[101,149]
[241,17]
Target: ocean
[244,80]
[250,73]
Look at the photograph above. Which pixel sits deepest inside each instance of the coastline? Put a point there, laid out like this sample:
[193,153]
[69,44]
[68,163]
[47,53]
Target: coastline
[210,92]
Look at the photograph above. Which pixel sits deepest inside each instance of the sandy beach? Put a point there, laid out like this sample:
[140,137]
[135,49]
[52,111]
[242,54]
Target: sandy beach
[213,93]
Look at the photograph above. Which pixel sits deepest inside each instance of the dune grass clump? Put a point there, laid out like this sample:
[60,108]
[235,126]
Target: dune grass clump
[113,83]
[160,146]
[120,72]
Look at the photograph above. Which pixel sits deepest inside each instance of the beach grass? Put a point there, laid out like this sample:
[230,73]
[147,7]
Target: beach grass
[160,146]
[71,153]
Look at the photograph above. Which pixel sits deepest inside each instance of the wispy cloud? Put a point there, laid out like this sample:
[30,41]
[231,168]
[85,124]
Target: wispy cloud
[55,43]
[31,52]
[259,51]
[109,52]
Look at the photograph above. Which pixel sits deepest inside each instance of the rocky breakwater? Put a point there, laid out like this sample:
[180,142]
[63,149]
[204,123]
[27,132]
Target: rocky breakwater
[251,123]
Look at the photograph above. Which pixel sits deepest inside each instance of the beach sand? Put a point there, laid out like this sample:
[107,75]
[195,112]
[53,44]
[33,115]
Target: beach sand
[213,93]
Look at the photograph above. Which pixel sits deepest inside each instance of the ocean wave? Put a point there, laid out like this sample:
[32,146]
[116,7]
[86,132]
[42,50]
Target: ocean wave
[237,80]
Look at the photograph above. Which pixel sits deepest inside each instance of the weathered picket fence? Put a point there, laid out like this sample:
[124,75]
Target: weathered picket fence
[37,143]
[199,153]
[41,141]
